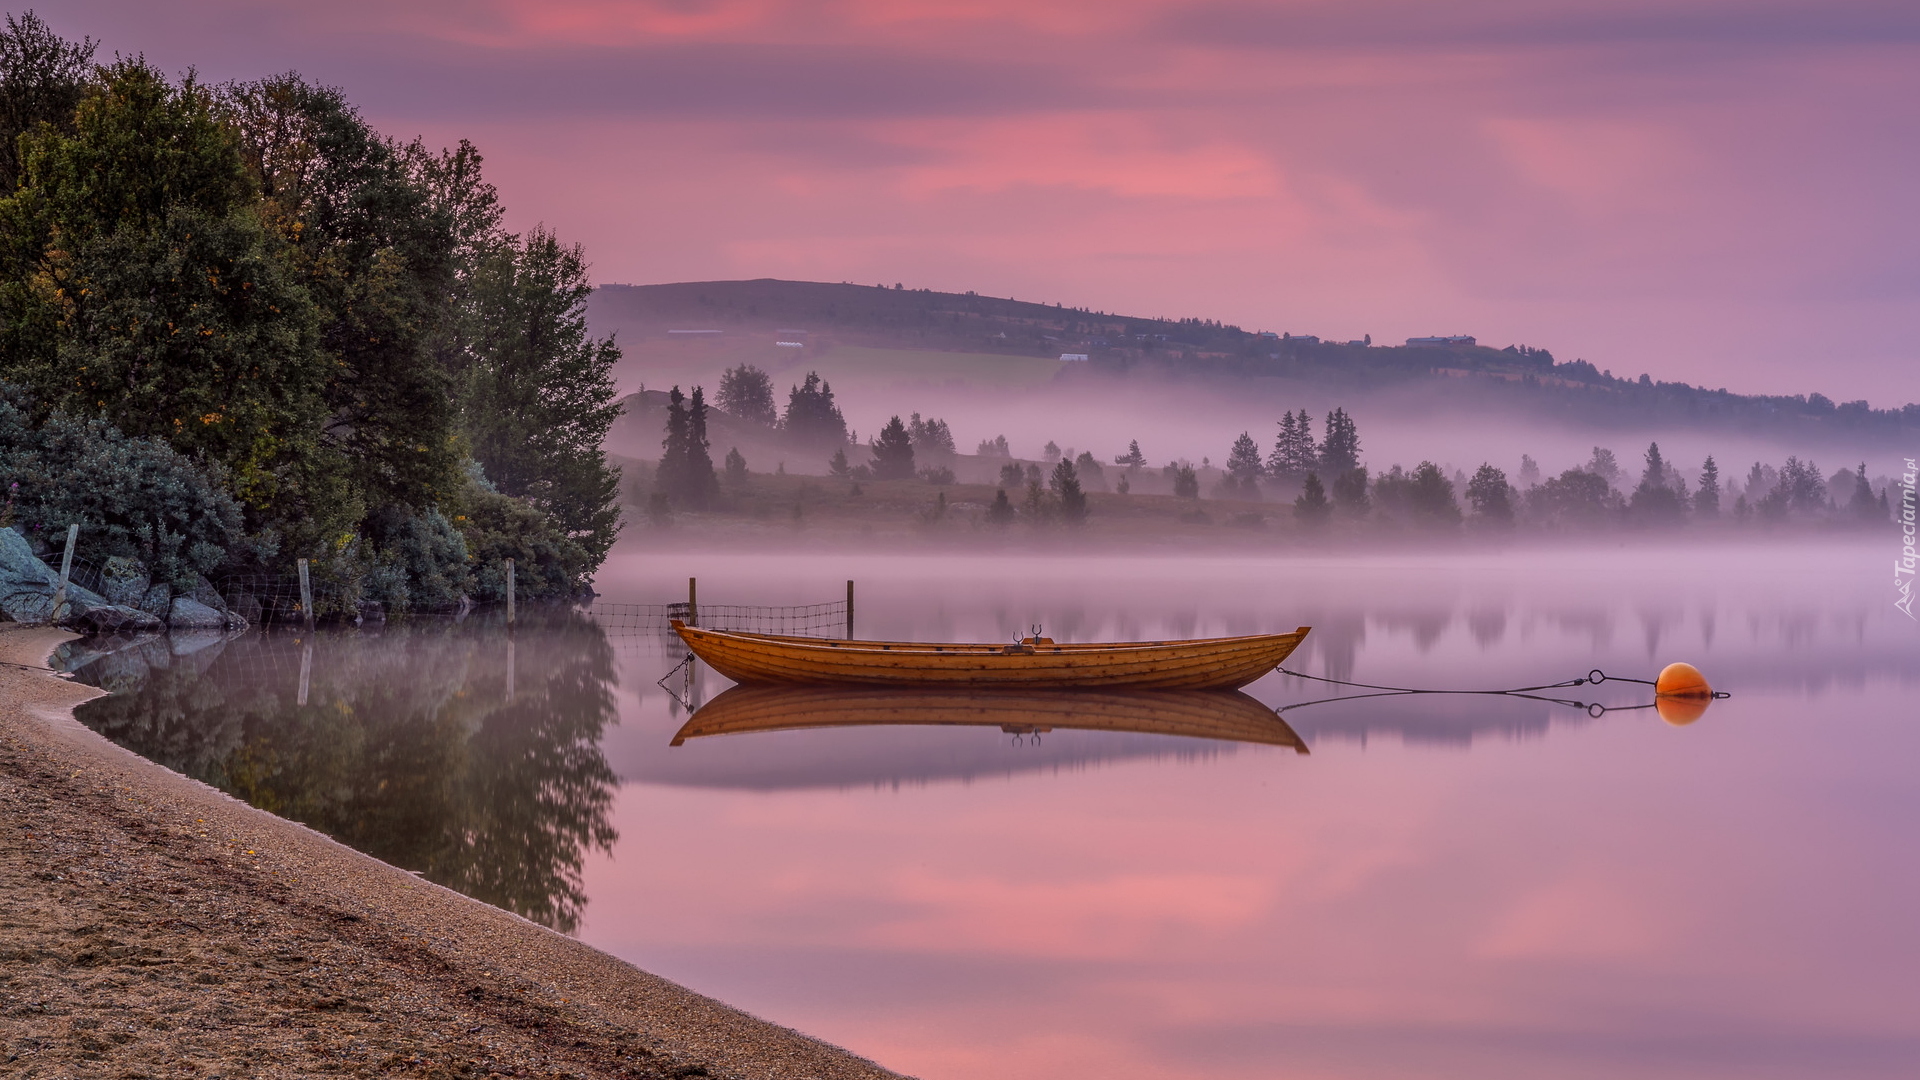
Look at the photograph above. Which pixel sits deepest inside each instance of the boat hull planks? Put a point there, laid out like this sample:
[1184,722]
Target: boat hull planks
[1203,714]
[1203,664]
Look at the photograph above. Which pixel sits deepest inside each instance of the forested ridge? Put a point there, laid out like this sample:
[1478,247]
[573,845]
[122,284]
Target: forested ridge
[275,333]
[1464,374]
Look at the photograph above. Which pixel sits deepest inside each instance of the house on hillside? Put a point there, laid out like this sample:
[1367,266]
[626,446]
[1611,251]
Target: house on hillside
[1440,342]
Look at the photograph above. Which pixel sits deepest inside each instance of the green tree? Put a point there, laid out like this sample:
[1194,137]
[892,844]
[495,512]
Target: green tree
[1186,482]
[700,482]
[1864,506]
[132,497]
[1529,471]
[1430,497]
[671,475]
[1706,499]
[837,464]
[1576,498]
[1491,496]
[1243,466]
[893,452]
[931,438]
[1350,493]
[1311,506]
[1294,451]
[736,469]
[1001,512]
[1605,466]
[380,259]
[747,392]
[1340,450]
[141,286]
[1656,502]
[42,79]
[1133,459]
[1065,485]
[812,417]
[540,394]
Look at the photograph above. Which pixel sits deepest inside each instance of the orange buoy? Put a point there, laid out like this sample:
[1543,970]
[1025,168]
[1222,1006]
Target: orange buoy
[1681,694]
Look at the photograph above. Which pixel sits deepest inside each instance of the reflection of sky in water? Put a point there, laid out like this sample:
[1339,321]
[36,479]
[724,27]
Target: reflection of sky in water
[1573,897]
[1447,886]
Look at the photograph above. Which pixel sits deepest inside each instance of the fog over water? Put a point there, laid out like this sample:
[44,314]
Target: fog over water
[1451,886]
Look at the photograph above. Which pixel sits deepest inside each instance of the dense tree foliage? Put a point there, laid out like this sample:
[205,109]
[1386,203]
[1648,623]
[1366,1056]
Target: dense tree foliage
[930,437]
[812,417]
[1244,468]
[330,325]
[747,392]
[893,452]
[134,497]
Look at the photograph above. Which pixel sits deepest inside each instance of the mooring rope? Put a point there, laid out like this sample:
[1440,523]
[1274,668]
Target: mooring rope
[1593,678]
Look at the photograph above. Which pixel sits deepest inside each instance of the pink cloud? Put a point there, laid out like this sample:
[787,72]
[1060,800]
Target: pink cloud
[1702,190]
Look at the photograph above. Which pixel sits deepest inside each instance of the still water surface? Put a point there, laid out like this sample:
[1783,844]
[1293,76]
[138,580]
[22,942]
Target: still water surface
[1443,887]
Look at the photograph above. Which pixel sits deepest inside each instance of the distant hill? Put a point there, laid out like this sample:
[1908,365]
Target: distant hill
[789,325]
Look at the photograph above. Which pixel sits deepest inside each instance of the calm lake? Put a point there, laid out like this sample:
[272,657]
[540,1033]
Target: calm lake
[1458,886]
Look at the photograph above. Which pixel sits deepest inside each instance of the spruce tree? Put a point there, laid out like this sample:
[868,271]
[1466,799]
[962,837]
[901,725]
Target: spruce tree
[1280,463]
[1065,484]
[1243,465]
[1312,507]
[1864,506]
[1341,449]
[1001,512]
[812,417]
[671,476]
[837,464]
[736,469]
[702,484]
[893,452]
[1706,500]
[1654,500]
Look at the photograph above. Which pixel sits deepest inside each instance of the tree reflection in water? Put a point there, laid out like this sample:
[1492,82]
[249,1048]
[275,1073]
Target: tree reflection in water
[414,745]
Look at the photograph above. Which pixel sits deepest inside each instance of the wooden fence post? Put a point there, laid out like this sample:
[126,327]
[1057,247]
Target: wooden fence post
[306,594]
[66,572]
[693,602]
[510,592]
[306,670]
[849,610]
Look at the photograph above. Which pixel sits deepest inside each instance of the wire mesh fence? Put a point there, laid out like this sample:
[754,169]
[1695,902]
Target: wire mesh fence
[795,620]
[264,599]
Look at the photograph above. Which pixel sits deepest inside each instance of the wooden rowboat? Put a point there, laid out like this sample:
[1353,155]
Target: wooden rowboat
[1203,714]
[1203,664]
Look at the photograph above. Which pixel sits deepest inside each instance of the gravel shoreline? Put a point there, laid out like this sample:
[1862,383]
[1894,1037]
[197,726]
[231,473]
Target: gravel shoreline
[151,926]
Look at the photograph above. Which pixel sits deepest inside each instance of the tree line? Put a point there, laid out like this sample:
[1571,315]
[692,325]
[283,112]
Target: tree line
[326,335]
[1594,494]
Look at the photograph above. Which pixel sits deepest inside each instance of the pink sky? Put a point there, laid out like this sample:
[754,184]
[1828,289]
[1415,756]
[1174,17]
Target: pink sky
[1704,190]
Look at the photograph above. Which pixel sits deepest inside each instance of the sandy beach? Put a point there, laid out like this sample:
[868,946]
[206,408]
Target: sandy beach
[151,926]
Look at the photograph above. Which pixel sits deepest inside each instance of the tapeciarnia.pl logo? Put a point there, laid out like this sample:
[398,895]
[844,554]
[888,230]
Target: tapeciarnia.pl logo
[1903,566]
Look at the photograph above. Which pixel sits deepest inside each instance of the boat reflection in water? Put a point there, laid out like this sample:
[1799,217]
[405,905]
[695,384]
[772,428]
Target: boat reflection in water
[1201,714]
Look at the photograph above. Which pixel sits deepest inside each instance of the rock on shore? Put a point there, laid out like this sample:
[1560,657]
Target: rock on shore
[28,587]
